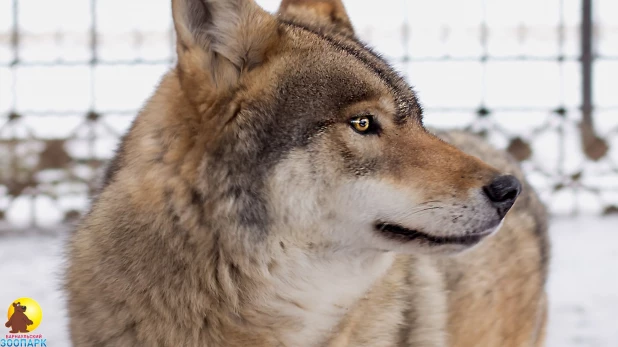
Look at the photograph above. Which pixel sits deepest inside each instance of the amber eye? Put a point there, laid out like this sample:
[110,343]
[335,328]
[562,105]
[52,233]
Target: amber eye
[361,124]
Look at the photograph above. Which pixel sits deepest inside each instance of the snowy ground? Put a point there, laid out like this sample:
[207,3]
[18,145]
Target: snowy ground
[583,285]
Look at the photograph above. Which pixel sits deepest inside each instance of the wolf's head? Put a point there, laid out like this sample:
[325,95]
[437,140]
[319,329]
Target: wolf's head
[314,139]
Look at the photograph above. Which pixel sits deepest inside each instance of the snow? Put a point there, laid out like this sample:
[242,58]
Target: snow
[583,283]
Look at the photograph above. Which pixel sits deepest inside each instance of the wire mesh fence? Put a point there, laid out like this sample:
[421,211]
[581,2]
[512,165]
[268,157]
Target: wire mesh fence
[536,78]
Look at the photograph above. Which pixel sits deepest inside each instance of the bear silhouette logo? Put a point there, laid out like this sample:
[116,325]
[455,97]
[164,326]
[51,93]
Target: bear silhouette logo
[18,322]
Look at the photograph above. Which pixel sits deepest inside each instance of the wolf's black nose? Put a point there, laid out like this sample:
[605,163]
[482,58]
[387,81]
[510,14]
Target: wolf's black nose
[502,192]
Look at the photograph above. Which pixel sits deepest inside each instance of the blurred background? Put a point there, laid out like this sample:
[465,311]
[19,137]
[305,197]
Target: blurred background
[536,77]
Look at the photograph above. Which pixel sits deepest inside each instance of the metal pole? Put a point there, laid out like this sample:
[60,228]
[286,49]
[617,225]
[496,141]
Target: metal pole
[15,33]
[587,58]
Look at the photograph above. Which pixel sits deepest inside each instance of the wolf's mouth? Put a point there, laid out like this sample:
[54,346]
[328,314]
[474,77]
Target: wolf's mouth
[403,234]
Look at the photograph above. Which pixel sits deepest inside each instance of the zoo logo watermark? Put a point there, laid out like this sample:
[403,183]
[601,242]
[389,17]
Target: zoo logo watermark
[24,316]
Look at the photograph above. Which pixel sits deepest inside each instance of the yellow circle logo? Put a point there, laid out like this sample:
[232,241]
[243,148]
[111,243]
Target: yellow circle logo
[24,316]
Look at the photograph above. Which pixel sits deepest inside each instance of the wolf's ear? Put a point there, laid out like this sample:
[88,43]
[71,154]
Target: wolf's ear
[223,38]
[321,13]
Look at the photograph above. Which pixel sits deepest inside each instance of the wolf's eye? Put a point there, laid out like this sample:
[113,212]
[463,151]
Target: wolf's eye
[363,124]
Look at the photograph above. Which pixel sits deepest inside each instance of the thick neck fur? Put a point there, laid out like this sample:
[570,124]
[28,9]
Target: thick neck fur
[248,290]
[313,290]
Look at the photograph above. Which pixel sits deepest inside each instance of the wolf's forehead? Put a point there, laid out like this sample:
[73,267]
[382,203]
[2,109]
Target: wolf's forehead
[406,103]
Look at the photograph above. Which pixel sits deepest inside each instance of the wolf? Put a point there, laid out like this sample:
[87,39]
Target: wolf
[279,189]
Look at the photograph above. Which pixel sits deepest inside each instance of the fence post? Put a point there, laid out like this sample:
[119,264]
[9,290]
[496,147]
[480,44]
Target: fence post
[593,146]
[587,60]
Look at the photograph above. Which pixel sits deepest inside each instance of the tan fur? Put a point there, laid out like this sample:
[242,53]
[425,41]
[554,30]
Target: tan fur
[242,209]
[321,13]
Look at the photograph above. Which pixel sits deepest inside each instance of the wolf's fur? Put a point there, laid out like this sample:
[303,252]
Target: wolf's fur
[242,209]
